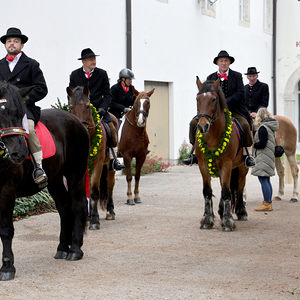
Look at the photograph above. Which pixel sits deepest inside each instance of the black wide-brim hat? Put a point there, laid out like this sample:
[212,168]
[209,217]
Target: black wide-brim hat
[14,32]
[251,70]
[223,53]
[86,53]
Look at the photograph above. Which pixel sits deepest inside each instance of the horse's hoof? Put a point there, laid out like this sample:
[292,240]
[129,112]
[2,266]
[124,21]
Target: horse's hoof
[61,255]
[276,198]
[74,256]
[4,276]
[137,200]
[130,202]
[110,216]
[242,218]
[228,229]
[294,200]
[94,227]
[205,226]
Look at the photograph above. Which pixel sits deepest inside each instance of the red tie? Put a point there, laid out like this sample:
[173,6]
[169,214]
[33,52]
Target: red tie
[224,76]
[11,58]
[88,74]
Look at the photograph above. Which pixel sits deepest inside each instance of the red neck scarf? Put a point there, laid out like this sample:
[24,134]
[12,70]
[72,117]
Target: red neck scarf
[11,58]
[88,74]
[125,88]
[223,76]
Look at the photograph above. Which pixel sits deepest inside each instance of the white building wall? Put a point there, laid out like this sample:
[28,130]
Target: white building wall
[172,42]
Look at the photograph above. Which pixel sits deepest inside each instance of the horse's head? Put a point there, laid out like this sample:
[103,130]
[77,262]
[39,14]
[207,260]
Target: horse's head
[12,133]
[210,103]
[141,106]
[79,104]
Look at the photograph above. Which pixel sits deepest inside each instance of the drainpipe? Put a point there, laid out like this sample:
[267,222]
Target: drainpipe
[274,56]
[128,35]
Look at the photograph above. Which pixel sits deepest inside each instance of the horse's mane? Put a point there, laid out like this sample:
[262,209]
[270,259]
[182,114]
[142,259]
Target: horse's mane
[14,102]
[78,94]
[207,86]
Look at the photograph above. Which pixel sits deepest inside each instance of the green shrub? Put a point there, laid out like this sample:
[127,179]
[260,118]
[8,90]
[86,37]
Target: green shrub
[152,164]
[184,151]
[59,105]
[39,202]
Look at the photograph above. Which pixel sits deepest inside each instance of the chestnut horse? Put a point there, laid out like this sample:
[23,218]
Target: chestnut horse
[219,154]
[134,141]
[286,136]
[102,180]
[69,160]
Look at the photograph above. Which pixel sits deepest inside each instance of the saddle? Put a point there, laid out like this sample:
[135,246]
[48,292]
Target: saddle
[107,132]
[46,140]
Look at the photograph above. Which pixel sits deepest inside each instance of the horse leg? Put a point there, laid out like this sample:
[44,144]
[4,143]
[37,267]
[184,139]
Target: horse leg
[138,168]
[7,271]
[110,214]
[95,194]
[294,169]
[280,172]
[127,163]
[72,210]
[227,222]
[238,181]
[207,221]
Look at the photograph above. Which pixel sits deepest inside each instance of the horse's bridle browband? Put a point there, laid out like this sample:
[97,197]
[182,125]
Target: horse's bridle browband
[211,119]
[12,131]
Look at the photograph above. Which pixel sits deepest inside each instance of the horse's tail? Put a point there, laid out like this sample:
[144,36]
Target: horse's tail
[103,188]
[234,185]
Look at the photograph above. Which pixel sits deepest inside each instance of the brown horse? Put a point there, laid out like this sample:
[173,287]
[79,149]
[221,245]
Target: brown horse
[286,136]
[134,141]
[219,154]
[80,106]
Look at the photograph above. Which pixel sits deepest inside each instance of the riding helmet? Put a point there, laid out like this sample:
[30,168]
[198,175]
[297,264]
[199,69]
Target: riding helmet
[126,73]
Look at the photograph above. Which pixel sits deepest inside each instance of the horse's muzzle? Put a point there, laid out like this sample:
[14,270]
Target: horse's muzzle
[203,128]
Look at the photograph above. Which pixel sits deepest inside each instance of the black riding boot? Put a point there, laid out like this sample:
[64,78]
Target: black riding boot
[192,159]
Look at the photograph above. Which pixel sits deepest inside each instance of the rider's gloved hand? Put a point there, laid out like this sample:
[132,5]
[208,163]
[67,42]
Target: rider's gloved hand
[101,111]
[126,109]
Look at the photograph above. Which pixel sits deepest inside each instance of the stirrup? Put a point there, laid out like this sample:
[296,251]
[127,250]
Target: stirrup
[39,176]
[250,161]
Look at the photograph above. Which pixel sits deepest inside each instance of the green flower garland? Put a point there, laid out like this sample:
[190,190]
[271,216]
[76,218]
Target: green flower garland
[212,155]
[97,138]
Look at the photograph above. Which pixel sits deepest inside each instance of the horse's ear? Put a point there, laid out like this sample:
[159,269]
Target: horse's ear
[86,91]
[216,84]
[135,92]
[25,91]
[150,92]
[69,91]
[199,83]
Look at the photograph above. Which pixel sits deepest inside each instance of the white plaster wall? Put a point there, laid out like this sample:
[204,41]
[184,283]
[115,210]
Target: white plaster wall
[288,58]
[172,42]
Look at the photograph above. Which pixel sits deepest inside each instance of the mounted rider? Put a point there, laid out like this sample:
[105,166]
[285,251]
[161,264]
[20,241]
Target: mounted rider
[22,71]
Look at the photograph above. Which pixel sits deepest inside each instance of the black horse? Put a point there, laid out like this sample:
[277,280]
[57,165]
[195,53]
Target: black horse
[70,161]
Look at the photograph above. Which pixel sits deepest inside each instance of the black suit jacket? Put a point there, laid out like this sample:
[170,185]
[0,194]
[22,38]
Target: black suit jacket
[98,85]
[259,96]
[235,99]
[120,99]
[26,73]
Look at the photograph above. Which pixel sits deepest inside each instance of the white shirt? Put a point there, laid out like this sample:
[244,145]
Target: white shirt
[13,63]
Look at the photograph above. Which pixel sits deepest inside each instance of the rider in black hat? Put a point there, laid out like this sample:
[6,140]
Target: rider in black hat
[100,96]
[256,92]
[22,71]
[233,89]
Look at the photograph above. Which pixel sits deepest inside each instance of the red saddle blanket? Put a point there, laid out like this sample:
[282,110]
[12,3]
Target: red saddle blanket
[46,140]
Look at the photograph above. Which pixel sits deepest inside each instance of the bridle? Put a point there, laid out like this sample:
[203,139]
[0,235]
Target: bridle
[87,122]
[6,132]
[141,111]
[211,119]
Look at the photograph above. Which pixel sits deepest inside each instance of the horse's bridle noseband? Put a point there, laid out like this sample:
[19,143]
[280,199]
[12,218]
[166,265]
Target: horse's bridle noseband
[211,119]
[141,111]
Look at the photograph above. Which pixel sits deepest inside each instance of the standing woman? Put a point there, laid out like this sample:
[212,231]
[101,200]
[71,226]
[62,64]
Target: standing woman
[264,146]
[122,94]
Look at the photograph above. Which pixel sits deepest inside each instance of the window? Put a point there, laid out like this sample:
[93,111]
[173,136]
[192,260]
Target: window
[244,13]
[268,7]
[298,111]
[209,8]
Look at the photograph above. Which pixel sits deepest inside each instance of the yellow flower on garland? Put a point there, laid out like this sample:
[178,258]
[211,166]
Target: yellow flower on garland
[97,138]
[212,155]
